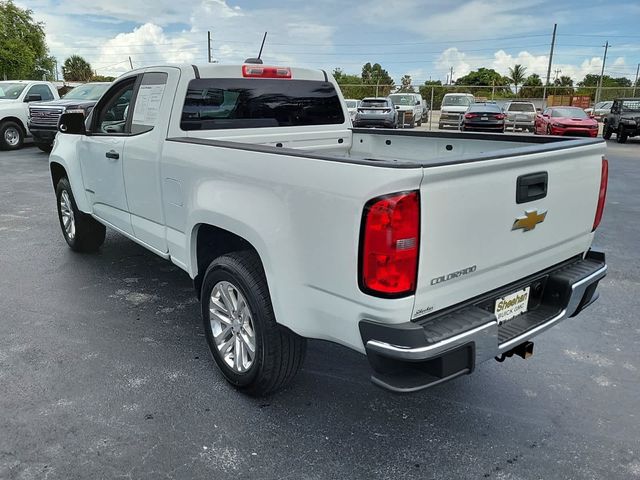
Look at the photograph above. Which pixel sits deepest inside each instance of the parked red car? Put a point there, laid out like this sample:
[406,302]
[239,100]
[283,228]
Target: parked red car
[572,121]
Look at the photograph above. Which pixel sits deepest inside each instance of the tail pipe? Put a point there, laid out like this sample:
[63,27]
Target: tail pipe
[524,350]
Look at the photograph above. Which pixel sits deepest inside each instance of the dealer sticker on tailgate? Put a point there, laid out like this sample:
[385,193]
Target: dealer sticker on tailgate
[512,305]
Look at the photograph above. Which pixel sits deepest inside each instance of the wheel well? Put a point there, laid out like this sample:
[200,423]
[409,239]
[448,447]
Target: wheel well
[57,172]
[16,120]
[211,243]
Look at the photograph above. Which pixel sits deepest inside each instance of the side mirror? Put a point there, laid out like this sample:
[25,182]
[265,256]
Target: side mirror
[417,102]
[34,97]
[397,107]
[72,123]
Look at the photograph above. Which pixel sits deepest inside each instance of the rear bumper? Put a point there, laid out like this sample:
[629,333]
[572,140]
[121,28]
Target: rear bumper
[419,354]
[374,122]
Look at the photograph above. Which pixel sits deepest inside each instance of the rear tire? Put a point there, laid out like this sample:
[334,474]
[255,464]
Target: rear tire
[81,231]
[278,353]
[621,135]
[11,136]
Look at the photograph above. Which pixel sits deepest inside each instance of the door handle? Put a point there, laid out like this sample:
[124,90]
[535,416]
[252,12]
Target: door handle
[112,154]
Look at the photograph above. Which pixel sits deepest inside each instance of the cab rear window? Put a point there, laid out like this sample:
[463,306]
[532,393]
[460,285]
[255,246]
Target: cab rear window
[220,103]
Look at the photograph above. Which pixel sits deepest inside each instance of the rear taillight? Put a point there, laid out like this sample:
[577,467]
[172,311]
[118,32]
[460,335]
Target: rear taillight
[470,115]
[602,196]
[390,241]
[259,71]
[501,116]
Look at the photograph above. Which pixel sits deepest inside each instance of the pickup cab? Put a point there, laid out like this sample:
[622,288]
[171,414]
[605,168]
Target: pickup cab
[429,252]
[15,97]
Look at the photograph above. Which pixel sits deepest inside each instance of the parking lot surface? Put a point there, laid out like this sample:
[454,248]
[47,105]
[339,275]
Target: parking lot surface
[105,373]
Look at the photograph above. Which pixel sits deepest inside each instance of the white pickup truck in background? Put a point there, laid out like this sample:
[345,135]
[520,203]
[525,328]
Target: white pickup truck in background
[429,252]
[15,97]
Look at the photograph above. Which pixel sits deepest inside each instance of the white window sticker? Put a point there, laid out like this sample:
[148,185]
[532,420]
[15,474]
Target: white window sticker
[147,106]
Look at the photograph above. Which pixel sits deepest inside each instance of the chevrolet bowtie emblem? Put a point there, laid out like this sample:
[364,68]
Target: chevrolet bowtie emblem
[529,221]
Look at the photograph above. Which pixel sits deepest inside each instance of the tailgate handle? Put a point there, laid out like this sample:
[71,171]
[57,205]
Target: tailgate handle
[532,186]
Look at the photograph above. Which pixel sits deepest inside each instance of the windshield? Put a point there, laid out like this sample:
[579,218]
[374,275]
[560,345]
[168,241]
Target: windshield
[403,99]
[569,113]
[631,105]
[373,103]
[521,107]
[456,101]
[87,92]
[11,91]
[351,103]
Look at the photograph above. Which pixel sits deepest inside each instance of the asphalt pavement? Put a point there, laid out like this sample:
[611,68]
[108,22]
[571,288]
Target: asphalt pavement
[105,373]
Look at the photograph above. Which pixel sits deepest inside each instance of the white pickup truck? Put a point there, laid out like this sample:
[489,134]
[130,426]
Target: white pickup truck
[15,97]
[429,252]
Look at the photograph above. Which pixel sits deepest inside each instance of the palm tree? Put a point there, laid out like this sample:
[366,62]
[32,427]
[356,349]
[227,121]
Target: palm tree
[517,75]
[77,69]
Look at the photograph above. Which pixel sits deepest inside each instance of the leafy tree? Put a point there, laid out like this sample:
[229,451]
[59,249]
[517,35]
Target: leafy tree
[23,49]
[588,86]
[484,77]
[351,85]
[102,78]
[377,76]
[517,75]
[532,87]
[438,92]
[406,84]
[563,86]
[77,69]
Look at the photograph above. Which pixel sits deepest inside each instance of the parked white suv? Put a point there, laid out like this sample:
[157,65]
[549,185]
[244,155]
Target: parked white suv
[15,96]
[429,252]
[453,106]
[410,107]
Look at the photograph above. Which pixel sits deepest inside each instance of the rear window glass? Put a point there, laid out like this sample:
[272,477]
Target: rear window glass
[373,103]
[219,103]
[521,107]
[485,108]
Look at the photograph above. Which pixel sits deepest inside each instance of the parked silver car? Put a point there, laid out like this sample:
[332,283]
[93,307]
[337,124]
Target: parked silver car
[600,110]
[521,115]
[376,112]
[352,106]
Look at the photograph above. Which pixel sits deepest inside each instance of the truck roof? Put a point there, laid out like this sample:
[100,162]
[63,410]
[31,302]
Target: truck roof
[216,70]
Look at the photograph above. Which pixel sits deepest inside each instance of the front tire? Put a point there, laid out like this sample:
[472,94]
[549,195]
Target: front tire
[254,353]
[45,147]
[621,135]
[11,136]
[81,231]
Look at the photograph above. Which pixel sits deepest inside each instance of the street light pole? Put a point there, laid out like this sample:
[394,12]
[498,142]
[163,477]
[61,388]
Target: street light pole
[635,84]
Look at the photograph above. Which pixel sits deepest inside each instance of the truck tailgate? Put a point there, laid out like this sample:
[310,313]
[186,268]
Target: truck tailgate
[468,243]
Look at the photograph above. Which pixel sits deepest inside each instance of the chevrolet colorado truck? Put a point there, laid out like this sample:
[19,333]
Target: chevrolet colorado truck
[15,97]
[429,252]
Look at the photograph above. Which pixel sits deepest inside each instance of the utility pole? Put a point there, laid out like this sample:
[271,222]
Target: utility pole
[209,46]
[604,61]
[130,63]
[635,84]
[553,43]
[557,72]
[451,76]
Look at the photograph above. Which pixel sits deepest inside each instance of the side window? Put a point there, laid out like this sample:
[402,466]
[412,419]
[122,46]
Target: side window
[148,100]
[41,90]
[111,114]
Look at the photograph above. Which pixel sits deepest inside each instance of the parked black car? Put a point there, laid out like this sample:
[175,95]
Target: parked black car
[624,119]
[484,116]
[43,116]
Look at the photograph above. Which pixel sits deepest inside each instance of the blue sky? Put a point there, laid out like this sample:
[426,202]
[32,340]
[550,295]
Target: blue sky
[420,38]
